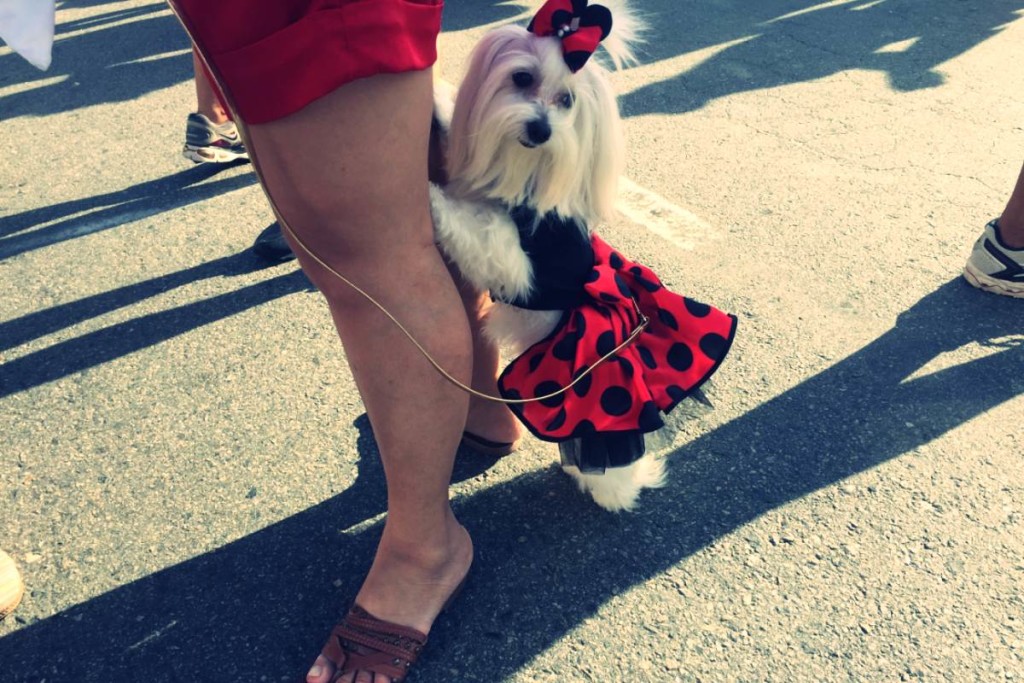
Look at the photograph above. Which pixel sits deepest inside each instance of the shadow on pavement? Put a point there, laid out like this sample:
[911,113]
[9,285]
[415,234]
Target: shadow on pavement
[546,558]
[112,62]
[781,42]
[95,348]
[18,331]
[19,233]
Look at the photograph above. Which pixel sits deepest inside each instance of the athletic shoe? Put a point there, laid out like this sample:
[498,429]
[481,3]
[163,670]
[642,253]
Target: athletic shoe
[995,267]
[271,246]
[209,142]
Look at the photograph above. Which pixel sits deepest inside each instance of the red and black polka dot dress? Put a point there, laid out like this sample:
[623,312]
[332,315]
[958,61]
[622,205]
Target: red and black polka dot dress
[601,420]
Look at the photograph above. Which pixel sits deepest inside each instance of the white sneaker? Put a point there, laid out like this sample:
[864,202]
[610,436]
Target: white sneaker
[995,267]
[209,142]
[11,586]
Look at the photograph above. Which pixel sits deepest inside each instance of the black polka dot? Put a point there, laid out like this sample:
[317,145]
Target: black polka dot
[650,418]
[582,387]
[680,357]
[593,276]
[565,348]
[667,319]
[606,343]
[647,357]
[696,308]
[676,393]
[511,394]
[713,345]
[616,401]
[557,423]
[535,361]
[584,428]
[627,367]
[624,289]
[579,324]
[615,260]
[609,297]
[649,285]
[549,387]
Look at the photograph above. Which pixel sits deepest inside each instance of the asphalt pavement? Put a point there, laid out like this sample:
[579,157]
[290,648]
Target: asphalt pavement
[192,490]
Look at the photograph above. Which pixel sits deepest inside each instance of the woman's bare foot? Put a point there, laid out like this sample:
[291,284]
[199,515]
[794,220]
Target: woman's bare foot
[408,584]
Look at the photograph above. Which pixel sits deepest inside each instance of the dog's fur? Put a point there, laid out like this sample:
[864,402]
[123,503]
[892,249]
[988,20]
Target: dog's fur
[496,159]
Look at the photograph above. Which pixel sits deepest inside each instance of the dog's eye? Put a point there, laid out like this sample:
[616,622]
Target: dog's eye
[522,79]
[565,100]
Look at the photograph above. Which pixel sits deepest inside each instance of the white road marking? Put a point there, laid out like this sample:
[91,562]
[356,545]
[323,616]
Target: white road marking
[671,222]
[155,58]
[8,90]
[869,5]
[152,636]
[808,10]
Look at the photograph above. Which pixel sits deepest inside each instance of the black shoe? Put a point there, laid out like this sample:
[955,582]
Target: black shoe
[271,246]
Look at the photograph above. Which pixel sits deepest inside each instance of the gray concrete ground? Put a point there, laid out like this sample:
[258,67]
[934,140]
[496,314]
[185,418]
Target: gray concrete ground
[192,490]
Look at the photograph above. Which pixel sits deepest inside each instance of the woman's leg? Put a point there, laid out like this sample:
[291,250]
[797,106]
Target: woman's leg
[488,419]
[207,100]
[1011,223]
[349,175]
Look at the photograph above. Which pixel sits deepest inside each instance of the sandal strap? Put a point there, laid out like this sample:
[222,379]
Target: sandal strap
[359,618]
[362,642]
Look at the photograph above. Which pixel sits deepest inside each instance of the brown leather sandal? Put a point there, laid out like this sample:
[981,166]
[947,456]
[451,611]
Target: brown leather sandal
[362,642]
[494,449]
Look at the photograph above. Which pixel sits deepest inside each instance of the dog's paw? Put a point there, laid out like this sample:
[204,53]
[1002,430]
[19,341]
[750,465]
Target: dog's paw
[618,488]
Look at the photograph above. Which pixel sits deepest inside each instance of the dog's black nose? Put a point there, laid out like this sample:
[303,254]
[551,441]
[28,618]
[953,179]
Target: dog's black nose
[538,131]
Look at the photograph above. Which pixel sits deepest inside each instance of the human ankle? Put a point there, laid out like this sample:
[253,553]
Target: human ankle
[1011,232]
[489,419]
[430,551]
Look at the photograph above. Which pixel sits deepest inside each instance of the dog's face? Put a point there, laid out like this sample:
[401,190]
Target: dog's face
[533,95]
[528,130]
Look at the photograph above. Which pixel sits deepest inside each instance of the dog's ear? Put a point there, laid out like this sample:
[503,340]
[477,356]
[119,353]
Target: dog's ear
[440,123]
[607,145]
[437,167]
[444,102]
[473,93]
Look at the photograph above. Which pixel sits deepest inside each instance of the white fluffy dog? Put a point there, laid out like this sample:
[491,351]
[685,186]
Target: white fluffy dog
[528,133]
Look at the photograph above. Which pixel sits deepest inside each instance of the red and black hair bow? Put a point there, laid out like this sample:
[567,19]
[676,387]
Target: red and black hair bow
[580,27]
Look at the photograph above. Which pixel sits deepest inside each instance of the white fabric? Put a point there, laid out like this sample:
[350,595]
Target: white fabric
[27,26]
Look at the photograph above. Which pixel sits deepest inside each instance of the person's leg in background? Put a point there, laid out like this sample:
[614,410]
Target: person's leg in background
[212,137]
[210,134]
[997,262]
[491,428]
[1011,222]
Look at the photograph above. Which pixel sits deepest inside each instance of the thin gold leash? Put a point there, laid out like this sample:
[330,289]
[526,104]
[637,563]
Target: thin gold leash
[243,130]
[644,321]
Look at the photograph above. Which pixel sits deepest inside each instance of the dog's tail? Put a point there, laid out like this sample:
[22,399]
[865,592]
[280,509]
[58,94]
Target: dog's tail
[628,30]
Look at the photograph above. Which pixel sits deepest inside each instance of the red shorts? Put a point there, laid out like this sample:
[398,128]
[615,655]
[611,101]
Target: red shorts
[273,57]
